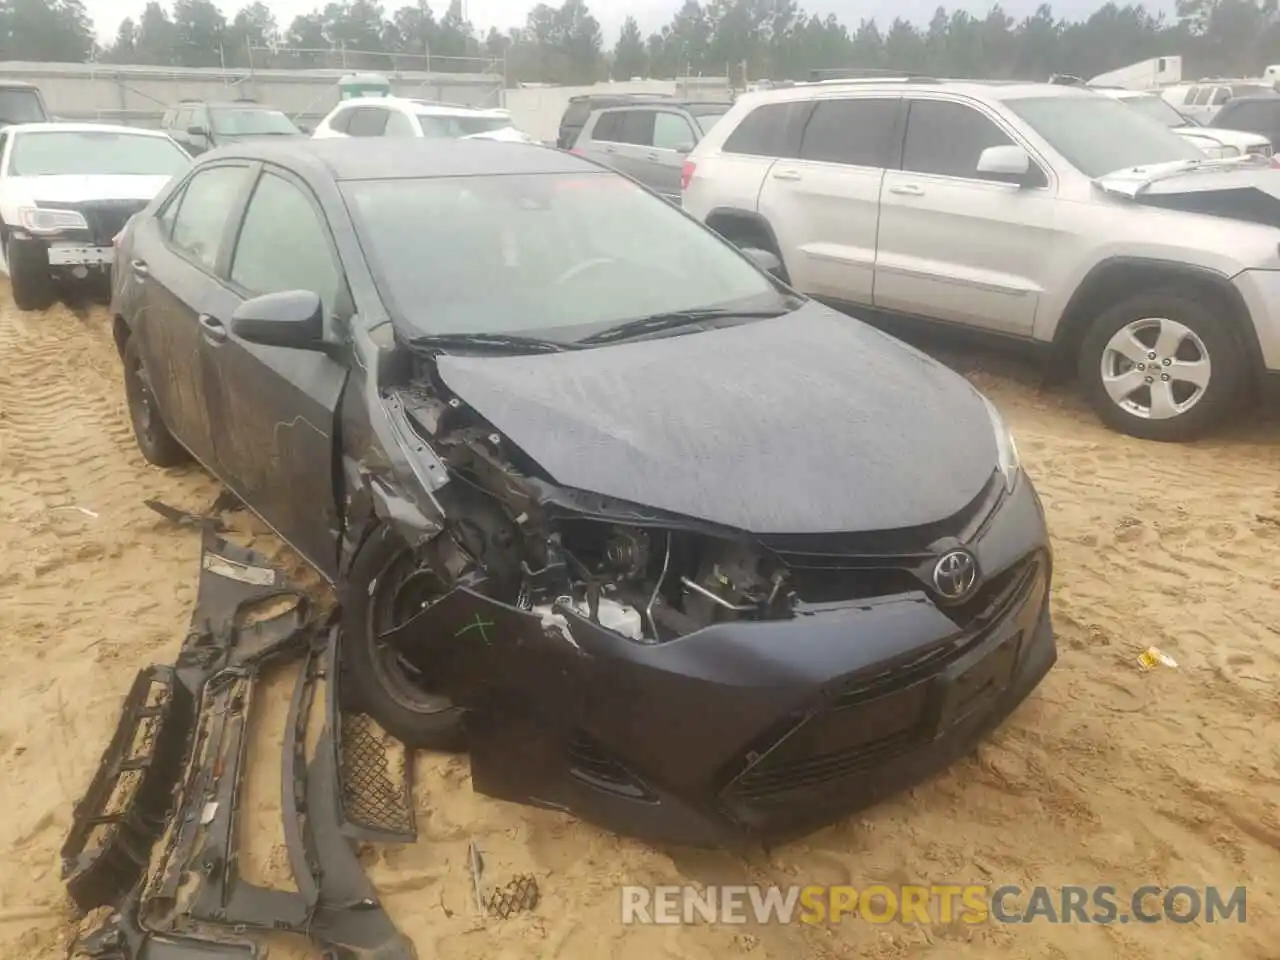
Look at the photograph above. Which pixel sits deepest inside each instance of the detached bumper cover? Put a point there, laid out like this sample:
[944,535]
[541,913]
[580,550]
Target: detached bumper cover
[742,730]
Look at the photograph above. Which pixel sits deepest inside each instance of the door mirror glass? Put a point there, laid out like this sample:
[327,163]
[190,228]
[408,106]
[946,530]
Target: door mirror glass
[1008,162]
[766,260]
[293,318]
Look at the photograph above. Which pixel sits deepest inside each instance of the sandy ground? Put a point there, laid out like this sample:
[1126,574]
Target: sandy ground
[1106,775]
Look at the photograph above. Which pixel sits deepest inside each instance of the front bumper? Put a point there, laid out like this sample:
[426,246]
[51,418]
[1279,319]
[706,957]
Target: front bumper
[741,730]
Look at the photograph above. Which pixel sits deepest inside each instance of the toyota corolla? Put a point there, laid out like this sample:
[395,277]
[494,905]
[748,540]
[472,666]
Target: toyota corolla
[669,545]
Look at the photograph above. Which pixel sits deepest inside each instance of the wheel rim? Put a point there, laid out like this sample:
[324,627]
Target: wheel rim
[143,409]
[401,591]
[1156,368]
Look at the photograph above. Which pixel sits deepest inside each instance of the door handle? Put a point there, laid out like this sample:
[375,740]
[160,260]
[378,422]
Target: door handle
[652,156]
[140,268]
[214,329]
[786,174]
[908,189]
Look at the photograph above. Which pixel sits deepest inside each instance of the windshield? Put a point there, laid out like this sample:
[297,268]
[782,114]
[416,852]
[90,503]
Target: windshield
[94,152]
[558,256]
[1099,135]
[1156,109]
[241,122]
[447,126]
[20,106]
[707,116]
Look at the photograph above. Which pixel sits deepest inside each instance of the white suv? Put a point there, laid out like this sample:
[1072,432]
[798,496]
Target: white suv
[406,117]
[1048,214]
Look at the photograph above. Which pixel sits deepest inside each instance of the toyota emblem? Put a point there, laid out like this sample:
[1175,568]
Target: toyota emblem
[955,575]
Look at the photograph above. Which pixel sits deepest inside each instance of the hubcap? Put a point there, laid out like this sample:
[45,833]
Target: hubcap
[1155,368]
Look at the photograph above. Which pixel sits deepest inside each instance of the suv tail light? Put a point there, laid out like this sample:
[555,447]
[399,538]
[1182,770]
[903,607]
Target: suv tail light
[1275,161]
[686,174]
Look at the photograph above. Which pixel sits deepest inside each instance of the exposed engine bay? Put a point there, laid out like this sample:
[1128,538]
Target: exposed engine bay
[513,538]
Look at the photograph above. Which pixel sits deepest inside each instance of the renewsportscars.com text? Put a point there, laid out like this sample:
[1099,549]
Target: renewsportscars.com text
[933,903]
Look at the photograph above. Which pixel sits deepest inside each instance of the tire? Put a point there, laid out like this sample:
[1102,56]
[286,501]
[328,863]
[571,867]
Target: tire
[29,276]
[157,444]
[1198,330]
[373,681]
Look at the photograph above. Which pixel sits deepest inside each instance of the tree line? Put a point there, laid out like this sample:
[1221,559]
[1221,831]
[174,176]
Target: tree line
[744,39]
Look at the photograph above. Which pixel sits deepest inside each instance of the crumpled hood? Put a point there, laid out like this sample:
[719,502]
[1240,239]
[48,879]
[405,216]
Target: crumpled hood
[1180,177]
[809,423]
[78,189]
[1232,138]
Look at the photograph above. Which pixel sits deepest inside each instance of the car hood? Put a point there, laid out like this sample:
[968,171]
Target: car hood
[78,189]
[1241,188]
[808,423]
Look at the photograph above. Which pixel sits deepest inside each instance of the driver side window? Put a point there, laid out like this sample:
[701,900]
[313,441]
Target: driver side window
[284,245]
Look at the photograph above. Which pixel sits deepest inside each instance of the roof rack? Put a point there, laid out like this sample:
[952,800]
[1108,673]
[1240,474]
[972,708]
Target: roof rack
[821,74]
[843,81]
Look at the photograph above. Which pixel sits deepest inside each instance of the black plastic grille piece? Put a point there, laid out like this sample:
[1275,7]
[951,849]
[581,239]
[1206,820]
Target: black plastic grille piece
[376,799]
[518,895]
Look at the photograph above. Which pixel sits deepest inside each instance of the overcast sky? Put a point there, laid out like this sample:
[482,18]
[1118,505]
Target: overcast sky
[651,14]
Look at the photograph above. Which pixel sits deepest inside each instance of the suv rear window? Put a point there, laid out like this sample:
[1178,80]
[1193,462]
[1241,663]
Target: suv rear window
[857,132]
[575,115]
[771,130]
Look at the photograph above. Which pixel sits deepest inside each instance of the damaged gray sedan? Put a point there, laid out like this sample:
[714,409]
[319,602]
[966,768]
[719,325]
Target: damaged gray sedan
[664,543]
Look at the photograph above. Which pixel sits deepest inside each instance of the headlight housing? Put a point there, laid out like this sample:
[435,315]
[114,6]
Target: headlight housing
[43,220]
[1007,459]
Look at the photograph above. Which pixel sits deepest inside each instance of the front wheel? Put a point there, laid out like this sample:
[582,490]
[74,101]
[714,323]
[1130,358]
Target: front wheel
[29,274]
[386,587]
[1162,366]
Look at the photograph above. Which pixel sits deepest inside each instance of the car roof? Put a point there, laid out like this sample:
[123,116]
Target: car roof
[366,158]
[69,127]
[978,89]
[657,103]
[417,105]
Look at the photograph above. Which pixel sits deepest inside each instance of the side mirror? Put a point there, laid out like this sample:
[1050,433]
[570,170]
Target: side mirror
[1009,163]
[293,318]
[304,128]
[765,260]
[684,148]
[196,130]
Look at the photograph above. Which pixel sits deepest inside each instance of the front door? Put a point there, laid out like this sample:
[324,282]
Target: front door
[953,246]
[182,245]
[275,434]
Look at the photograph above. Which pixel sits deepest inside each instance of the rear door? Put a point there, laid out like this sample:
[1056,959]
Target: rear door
[601,138]
[174,262]
[824,204]
[956,246]
[275,431]
[673,139]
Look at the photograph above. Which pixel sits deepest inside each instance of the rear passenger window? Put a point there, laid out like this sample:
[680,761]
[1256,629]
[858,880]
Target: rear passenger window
[772,130]
[855,132]
[367,122]
[1202,96]
[672,132]
[398,125]
[947,138]
[202,215]
[637,127]
[341,121]
[608,127]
